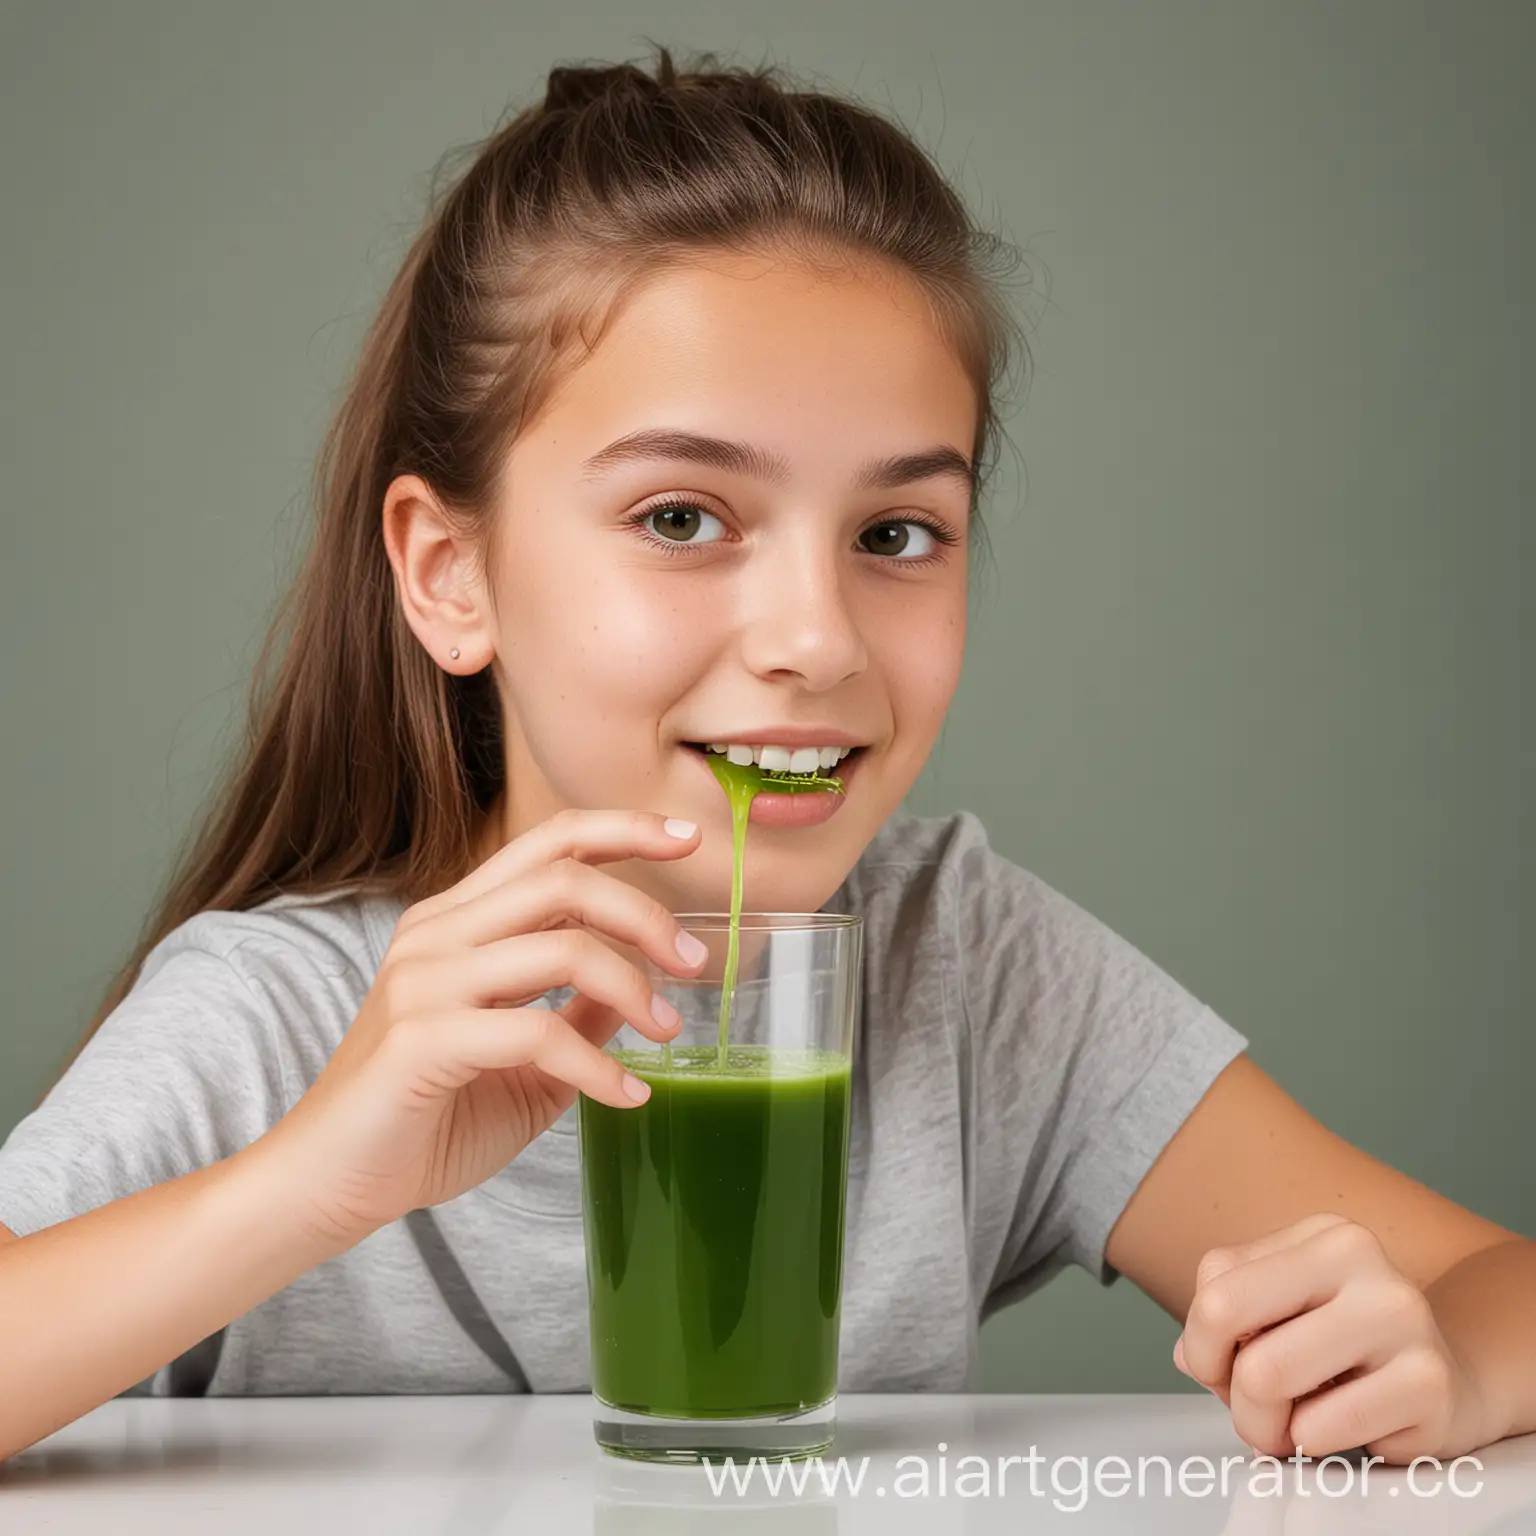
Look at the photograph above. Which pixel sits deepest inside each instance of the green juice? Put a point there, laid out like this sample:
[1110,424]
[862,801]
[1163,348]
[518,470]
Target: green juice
[714,1227]
[714,1211]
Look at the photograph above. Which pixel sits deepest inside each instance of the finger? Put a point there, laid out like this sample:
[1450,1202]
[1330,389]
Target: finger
[525,966]
[594,837]
[1353,1332]
[591,1019]
[1271,1373]
[573,893]
[446,1050]
[1217,1261]
[1258,1293]
[1369,1408]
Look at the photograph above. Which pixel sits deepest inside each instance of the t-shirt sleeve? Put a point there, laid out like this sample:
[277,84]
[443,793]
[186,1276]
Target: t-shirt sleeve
[1087,1057]
[182,1073]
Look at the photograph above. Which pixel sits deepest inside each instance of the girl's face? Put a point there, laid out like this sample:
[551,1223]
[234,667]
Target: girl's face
[707,534]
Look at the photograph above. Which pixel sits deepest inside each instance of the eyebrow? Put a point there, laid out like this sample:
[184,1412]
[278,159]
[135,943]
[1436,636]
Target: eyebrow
[883,474]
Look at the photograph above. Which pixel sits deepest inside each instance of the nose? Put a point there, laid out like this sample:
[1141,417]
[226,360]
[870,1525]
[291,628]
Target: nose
[799,622]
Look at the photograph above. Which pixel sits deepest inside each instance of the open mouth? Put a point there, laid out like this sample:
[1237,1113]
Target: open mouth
[770,777]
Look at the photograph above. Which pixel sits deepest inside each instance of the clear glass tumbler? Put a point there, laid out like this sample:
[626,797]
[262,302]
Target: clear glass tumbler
[714,1211]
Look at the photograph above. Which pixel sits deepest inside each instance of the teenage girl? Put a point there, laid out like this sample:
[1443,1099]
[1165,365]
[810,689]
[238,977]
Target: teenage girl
[670,433]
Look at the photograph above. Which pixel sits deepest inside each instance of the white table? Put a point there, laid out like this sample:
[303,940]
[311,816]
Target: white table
[514,1465]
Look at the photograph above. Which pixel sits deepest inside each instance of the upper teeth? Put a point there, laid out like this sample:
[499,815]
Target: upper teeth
[783,759]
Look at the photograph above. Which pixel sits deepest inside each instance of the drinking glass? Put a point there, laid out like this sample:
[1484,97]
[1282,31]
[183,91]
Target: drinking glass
[714,1211]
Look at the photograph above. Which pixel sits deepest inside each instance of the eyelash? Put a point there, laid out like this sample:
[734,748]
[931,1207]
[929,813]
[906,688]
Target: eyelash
[672,547]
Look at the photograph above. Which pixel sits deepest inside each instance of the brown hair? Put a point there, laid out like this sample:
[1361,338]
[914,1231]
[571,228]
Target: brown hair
[365,765]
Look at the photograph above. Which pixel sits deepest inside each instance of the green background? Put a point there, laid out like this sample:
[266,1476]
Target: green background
[1248,675]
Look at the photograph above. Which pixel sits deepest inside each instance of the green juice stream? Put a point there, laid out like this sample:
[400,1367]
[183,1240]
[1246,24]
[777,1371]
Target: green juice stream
[714,1211]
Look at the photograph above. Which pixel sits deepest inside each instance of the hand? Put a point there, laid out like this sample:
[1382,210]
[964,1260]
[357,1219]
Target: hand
[1316,1342]
[443,1078]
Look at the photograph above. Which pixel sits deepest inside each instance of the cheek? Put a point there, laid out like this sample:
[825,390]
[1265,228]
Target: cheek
[643,647]
[923,655]
[600,645]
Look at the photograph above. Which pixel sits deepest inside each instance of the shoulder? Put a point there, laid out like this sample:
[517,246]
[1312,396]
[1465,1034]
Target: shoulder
[917,855]
[230,1018]
[1027,958]
[341,935]
[294,969]
[937,896]
[949,864]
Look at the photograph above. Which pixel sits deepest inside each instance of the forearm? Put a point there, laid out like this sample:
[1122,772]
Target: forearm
[97,1303]
[1486,1309]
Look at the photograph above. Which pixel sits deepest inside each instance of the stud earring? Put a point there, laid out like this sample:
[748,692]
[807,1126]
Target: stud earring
[454,653]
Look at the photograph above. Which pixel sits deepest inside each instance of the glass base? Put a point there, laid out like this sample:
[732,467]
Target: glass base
[685,1442]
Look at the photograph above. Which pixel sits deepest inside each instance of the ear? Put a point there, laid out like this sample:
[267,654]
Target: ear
[438,578]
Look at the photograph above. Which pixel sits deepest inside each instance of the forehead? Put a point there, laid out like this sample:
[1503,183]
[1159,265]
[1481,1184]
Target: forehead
[809,361]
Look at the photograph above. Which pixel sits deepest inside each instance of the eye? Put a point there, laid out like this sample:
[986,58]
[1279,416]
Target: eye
[672,524]
[891,538]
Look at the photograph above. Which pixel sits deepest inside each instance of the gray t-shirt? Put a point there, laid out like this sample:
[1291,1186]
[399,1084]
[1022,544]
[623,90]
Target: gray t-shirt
[1018,1068]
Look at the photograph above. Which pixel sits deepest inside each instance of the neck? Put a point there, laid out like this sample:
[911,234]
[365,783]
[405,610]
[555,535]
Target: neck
[487,834]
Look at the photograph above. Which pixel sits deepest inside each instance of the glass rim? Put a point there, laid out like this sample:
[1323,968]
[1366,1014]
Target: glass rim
[768,922]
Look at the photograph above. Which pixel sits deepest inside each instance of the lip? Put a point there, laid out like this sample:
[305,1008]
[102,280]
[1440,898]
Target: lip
[787,736]
[805,809]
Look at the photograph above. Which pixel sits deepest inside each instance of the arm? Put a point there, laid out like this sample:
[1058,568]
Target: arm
[1249,1160]
[94,1304]
[1485,1305]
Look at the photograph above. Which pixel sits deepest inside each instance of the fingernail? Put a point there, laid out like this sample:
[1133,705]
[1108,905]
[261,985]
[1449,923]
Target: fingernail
[635,1089]
[1178,1354]
[691,949]
[664,1013]
[676,827]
